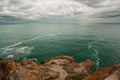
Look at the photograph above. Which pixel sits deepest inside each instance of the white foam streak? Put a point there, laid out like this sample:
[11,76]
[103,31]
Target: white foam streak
[14,51]
[96,55]
[97,58]
[16,44]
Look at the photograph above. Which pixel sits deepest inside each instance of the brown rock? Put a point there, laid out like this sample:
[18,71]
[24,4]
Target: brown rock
[57,68]
[60,60]
[7,69]
[29,64]
[106,74]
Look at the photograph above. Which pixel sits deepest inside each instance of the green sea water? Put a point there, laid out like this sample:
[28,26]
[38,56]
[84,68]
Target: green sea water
[40,41]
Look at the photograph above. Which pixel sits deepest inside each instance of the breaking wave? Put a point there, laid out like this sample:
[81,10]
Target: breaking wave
[32,9]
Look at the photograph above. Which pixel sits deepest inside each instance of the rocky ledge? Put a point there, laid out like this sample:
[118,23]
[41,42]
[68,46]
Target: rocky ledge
[57,68]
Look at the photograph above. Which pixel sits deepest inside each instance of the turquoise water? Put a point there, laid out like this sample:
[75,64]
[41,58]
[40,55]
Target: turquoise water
[38,42]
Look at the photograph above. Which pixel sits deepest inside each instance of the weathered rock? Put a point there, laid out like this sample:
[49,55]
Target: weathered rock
[7,69]
[60,60]
[108,73]
[66,67]
[29,64]
[57,68]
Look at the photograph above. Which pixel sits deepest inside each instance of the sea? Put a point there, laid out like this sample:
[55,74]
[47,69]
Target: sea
[41,40]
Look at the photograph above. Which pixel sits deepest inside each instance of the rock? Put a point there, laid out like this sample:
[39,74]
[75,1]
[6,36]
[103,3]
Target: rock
[29,64]
[60,60]
[78,71]
[66,67]
[108,73]
[7,69]
[57,68]
[46,73]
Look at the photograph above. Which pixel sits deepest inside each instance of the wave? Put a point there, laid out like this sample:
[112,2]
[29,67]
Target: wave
[14,51]
[24,41]
[54,34]
[97,59]
[15,44]
[32,9]
[95,55]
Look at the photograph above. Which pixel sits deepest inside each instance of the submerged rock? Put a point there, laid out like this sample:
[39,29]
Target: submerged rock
[57,68]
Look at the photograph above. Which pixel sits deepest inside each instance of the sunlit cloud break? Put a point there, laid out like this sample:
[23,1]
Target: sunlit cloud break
[32,9]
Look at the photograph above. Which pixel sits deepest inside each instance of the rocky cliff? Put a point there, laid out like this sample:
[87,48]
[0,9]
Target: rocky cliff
[57,68]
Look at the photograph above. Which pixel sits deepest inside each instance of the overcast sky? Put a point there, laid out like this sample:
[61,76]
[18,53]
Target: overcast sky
[32,9]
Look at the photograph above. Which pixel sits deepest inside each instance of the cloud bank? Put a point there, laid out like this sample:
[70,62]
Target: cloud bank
[33,9]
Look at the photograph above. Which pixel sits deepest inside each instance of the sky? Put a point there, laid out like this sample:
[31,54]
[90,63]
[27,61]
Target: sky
[35,9]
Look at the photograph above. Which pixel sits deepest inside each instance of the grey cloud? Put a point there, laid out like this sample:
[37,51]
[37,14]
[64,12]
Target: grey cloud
[91,3]
[32,9]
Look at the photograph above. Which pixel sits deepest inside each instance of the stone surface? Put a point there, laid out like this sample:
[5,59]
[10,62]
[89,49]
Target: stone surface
[57,68]
[108,73]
